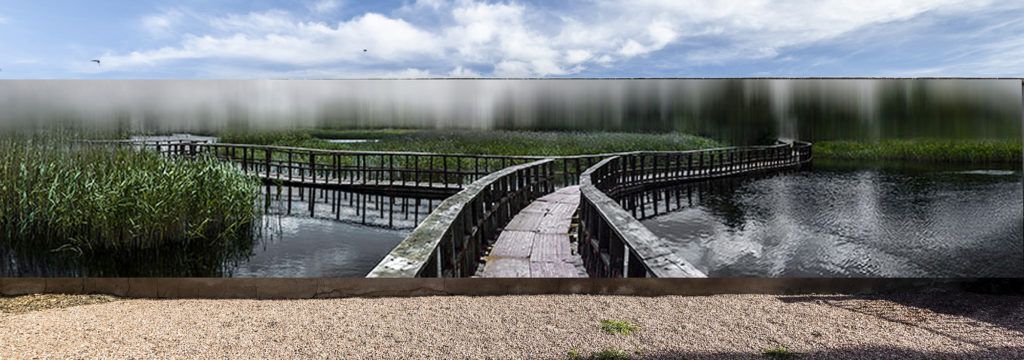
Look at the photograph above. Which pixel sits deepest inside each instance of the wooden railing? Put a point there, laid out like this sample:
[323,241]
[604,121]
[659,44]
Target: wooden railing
[615,244]
[452,239]
[312,167]
[315,166]
[362,167]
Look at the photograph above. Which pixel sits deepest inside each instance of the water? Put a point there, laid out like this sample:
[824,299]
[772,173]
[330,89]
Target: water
[343,235]
[350,141]
[306,247]
[850,220]
[337,234]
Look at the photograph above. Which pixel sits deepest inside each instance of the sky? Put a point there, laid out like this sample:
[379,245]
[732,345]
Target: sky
[326,39]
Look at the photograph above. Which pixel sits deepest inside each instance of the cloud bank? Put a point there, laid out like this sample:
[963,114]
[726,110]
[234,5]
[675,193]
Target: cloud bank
[510,39]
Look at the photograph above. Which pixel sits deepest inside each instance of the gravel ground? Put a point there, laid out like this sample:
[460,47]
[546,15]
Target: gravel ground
[511,327]
[23,304]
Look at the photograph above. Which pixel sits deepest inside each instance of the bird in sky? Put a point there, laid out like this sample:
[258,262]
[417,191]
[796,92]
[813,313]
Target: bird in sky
[96,61]
[364,50]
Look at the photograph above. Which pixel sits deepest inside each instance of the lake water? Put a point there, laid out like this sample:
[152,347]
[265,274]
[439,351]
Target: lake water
[345,235]
[849,220]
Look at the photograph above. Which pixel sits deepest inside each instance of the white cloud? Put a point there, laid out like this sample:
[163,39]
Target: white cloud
[162,24]
[513,39]
[273,37]
[324,6]
[3,20]
[462,72]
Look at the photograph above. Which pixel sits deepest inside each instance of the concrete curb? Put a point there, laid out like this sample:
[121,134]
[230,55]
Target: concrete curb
[310,288]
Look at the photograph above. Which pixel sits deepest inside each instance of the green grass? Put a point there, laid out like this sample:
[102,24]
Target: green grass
[932,150]
[778,352]
[113,201]
[618,327]
[479,142]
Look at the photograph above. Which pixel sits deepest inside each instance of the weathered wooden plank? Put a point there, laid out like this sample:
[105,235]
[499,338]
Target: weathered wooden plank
[506,267]
[550,247]
[536,243]
[553,269]
[513,244]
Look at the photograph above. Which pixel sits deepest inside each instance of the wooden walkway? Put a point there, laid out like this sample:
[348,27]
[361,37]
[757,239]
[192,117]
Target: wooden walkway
[416,189]
[536,243]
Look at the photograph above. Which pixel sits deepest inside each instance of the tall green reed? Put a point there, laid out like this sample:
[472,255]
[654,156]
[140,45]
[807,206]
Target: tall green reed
[95,199]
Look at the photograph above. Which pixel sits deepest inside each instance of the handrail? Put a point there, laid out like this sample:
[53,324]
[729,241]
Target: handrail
[613,243]
[253,159]
[628,247]
[451,240]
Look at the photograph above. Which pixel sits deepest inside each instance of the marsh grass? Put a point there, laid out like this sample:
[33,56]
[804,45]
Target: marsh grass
[77,201]
[933,150]
[478,141]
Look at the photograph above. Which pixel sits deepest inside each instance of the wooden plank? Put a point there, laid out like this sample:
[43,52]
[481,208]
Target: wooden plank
[536,242]
[550,247]
[513,244]
[556,269]
[506,268]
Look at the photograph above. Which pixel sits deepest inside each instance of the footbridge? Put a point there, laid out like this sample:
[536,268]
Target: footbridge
[507,216]
[506,224]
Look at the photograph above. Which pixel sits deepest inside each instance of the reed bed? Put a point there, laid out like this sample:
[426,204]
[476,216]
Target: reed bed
[930,150]
[499,142]
[102,200]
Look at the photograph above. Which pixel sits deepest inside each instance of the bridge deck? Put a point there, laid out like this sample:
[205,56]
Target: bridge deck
[536,243]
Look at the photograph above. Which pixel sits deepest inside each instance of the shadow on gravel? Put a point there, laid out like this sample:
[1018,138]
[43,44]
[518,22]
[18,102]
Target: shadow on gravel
[981,320]
[852,353]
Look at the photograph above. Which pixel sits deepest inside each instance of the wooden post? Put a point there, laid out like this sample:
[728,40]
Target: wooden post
[416,169]
[444,175]
[267,150]
[312,173]
[391,169]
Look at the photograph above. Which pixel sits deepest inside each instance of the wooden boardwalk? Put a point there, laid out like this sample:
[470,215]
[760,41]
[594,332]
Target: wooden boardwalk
[420,189]
[536,243]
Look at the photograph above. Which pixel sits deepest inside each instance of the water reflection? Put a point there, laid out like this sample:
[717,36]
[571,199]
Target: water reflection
[847,220]
[310,232]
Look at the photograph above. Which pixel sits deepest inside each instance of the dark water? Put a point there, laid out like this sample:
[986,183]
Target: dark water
[342,234]
[347,235]
[849,220]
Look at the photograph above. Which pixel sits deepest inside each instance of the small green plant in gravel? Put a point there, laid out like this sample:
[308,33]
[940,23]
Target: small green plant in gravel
[606,354]
[611,354]
[618,327]
[778,352]
[574,355]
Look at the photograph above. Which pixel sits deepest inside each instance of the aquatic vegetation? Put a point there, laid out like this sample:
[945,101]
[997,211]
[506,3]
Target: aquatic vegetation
[939,150]
[85,200]
[479,142]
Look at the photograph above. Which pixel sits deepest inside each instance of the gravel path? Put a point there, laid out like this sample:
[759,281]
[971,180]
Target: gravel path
[512,327]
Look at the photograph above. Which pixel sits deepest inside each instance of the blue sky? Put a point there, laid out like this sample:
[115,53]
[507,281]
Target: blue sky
[436,38]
